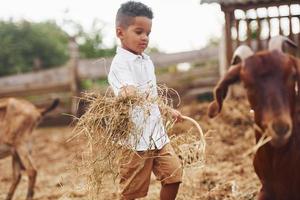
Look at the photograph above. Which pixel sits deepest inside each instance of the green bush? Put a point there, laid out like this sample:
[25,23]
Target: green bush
[24,42]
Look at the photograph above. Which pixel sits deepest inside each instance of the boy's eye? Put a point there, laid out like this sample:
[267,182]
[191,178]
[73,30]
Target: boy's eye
[139,32]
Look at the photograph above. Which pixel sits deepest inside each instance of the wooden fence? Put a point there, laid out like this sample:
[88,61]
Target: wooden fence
[66,79]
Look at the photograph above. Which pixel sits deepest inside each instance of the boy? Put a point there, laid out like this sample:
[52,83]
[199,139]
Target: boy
[132,71]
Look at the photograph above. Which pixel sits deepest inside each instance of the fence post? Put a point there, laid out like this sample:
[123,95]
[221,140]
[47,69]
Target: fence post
[74,80]
[222,55]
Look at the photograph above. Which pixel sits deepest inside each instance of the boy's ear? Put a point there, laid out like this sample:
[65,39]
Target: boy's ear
[119,32]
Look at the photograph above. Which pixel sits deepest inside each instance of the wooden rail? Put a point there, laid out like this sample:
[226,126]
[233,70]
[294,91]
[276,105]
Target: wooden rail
[64,81]
[60,79]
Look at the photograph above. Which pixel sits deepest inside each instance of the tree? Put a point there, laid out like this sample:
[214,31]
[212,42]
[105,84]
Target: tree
[91,42]
[25,45]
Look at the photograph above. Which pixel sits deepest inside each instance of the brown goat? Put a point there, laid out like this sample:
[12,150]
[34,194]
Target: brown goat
[18,118]
[271,80]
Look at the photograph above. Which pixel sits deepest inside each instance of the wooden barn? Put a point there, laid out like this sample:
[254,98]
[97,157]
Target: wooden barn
[253,22]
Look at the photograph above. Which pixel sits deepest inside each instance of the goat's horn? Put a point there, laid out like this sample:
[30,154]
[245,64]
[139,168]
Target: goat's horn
[241,53]
[276,43]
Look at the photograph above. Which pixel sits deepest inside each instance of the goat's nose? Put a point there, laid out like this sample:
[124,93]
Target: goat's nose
[281,127]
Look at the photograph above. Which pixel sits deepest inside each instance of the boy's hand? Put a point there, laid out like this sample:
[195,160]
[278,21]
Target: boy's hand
[176,115]
[128,91]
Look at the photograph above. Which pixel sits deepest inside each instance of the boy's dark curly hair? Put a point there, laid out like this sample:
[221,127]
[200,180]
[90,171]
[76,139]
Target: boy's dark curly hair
[132,9]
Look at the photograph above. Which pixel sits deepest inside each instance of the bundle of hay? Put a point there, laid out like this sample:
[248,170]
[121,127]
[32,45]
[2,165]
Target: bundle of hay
[108,126]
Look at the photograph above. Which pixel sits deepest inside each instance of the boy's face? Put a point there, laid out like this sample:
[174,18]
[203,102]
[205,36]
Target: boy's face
[135,37]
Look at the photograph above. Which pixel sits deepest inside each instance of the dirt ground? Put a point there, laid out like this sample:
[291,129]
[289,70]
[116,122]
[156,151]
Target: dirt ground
[227,174]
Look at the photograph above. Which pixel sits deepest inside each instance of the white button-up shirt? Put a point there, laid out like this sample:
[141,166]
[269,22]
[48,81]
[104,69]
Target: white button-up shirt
[138,70]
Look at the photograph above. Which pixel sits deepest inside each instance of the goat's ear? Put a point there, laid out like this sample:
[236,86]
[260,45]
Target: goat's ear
[220,91]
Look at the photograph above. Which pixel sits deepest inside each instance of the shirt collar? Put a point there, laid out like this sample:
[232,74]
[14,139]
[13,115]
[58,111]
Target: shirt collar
[129,55]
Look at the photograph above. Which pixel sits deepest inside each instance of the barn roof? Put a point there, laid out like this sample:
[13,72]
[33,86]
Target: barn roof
[232,2]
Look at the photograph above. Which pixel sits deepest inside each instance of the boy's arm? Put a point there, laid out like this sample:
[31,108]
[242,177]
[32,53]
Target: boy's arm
[121,80]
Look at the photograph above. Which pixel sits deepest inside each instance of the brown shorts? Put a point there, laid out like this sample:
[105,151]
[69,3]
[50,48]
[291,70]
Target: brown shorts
[135,171]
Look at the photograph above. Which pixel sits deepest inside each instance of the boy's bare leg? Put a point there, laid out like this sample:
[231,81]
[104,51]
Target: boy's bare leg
[169,191]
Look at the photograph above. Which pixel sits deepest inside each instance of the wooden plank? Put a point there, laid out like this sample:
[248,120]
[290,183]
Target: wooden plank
[93,68]
[35,82]
[290,24]
[248,33]
[271,17]
[74,80]
[230,8]
[258,37]
[222,54]
[198,75]
[205,82]
[19,91]
[269,26]
[198,91]
[60,79]
[228,36]
[237,27]
[203,55]
[99,68]
[279,22]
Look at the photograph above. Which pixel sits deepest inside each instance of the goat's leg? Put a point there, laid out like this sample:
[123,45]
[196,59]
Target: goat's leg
[17,167]
[29,168]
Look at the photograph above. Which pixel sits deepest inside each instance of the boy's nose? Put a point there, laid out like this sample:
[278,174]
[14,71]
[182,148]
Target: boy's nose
[145,37]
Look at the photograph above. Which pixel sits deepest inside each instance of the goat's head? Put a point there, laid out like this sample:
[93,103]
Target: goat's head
[271,79]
